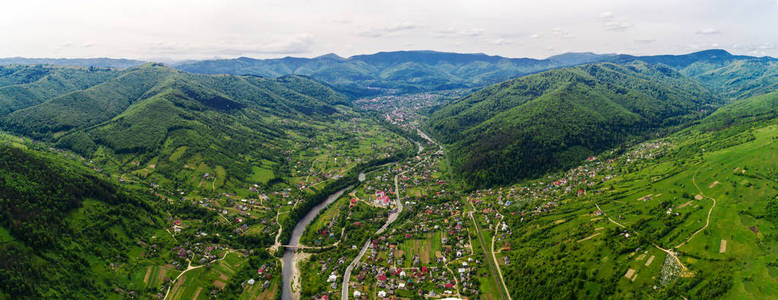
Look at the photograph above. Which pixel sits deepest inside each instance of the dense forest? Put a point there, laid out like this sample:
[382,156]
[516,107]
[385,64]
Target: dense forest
[62,225]
[528,126]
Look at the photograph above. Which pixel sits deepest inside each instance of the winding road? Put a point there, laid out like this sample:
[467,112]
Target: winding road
[392,217]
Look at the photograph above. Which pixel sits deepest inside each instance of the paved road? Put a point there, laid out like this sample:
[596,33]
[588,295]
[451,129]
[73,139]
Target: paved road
[392,217]
[347,275]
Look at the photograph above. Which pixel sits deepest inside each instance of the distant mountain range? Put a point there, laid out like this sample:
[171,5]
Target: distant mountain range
[643,93]
[414,71]
[119,63]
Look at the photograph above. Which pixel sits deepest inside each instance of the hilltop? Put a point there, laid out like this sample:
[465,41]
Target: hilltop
[159,122]
[543,122]
[404,71]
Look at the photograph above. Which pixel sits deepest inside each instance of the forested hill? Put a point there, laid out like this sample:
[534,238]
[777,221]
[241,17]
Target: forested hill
[525,127]
[62,226]
[203,123]
[404,71]
[78,62]
[24,86]
[733,77]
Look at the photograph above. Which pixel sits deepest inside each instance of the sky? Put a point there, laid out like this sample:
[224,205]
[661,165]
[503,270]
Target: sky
[199,29]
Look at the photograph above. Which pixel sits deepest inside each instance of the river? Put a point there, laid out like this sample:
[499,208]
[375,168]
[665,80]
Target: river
[288,260]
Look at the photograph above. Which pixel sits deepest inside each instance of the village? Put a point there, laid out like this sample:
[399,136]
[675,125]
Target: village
[442,244]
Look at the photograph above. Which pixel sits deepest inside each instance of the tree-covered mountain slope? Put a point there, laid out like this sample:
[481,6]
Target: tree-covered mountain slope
[691,215]
[745,111]
[172,127]
[538,123]
[406,71]
[733,77]
[65,231]
[25,86]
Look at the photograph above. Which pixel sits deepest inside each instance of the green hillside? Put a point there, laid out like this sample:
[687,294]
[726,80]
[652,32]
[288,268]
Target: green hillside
[25,86]
[235,160]
[707,196]
[64,226]
[733,77]
[144,115]
[538,123]
[743,112]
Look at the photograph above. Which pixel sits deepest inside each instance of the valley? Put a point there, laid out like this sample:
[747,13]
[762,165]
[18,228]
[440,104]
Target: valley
[629,178]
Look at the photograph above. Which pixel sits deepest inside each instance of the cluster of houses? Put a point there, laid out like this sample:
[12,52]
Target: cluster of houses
[579,182]
[196,252]
[447,269]
[264,274]
[402,110]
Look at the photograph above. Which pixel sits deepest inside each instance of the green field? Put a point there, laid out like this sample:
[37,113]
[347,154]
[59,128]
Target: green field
[202,280]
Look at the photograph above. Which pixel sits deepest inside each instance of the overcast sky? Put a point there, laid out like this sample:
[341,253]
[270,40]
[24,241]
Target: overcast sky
[192,29]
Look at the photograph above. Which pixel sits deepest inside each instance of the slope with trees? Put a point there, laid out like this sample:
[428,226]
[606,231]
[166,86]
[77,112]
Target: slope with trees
[539,123]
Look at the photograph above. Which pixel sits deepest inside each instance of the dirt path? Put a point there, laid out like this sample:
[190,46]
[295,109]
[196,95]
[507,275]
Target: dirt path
[685,204]
[589,237]
[456,281]
[189,268]
[494,257]
[707,220]
[277,243]
[669,252]
[492,261]
[171,235]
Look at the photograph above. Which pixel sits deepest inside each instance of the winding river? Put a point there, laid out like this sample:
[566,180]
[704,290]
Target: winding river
[290,254]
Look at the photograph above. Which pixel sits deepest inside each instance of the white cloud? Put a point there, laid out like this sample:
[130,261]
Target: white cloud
[386,30]
[559,32]
[611,23]
[292,45]
[708,31]
[273,28]
[472,32]
[616,26]
[501,42]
